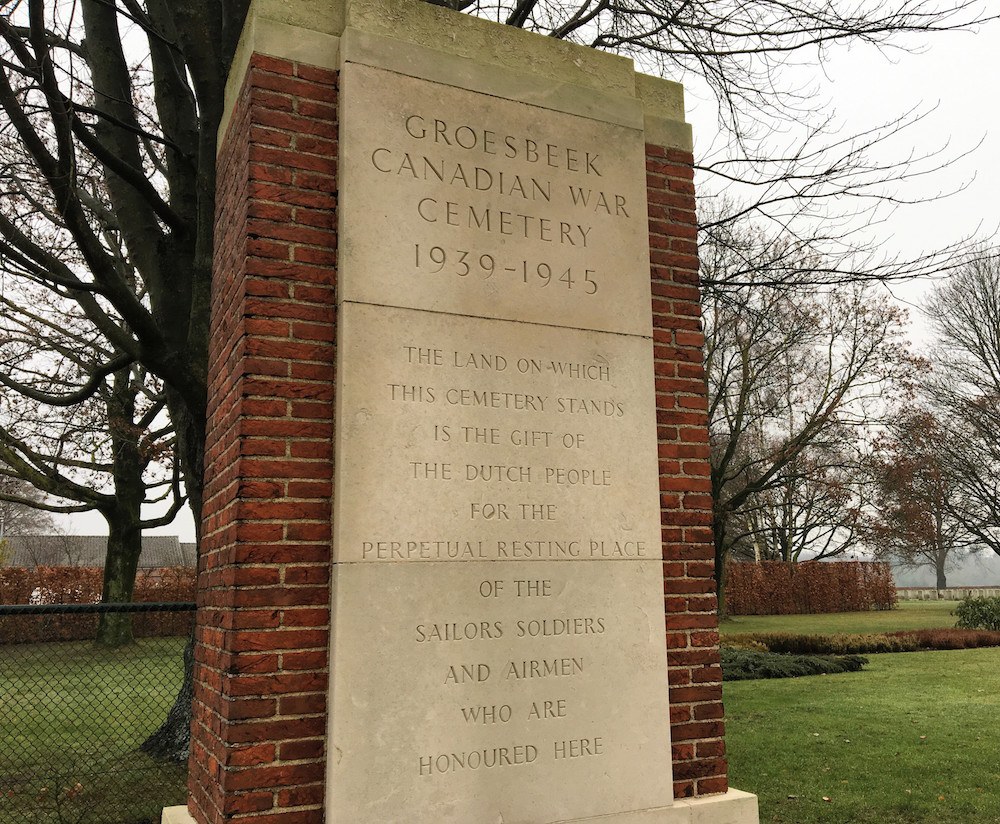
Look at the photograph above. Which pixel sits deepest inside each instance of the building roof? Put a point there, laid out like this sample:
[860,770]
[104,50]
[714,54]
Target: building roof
[89,551]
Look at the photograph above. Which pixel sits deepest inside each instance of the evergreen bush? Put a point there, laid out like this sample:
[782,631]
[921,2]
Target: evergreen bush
[749,664]
[979,613]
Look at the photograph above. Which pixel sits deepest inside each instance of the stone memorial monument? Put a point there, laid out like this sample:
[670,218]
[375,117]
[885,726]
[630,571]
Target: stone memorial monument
[458,444]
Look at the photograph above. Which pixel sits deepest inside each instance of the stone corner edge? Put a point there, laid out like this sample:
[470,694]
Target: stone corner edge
[176,815]
[663,110]
[273,29]
[731,807]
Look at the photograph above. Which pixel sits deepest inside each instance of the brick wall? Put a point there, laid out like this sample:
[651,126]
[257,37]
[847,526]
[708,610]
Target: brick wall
[685,491]
[261,674]
[263,623]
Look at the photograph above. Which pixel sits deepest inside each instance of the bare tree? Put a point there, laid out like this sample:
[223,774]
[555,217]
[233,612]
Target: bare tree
[738,49]
[129,466]
[77,109]
[913,517]
[811,512]
[964,387]
[791,375]
[18,519]
[112,452]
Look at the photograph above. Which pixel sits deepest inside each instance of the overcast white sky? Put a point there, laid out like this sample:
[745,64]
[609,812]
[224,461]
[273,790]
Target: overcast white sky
[956,73]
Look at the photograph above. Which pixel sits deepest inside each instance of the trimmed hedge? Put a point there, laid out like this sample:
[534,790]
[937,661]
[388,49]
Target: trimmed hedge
[787,643]
[742,642]
[979,613]
[779,588]
[910,640]
[748,664]
[950,638]
[82,585]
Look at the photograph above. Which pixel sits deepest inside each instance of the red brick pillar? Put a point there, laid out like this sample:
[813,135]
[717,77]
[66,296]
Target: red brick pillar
[261,668]
[259,714]
[260,705]
[685,488]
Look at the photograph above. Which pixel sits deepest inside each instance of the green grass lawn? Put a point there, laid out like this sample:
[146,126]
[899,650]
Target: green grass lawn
[71,719]
[912,740]
[908,615]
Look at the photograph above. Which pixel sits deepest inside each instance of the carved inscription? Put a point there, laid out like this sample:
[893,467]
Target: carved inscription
[504,449]
[496,532]
[458,160]
[508,472]
[462,159]
[526,218]
[456,157]
[533,710]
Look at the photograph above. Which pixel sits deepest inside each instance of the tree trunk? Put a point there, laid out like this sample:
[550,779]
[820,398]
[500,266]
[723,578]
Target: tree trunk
[125,517]
[719,539]
[172,741]
[942,580]
[114,629]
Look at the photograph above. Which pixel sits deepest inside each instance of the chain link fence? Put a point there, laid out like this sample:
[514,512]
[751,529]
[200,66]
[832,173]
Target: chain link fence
[74,712]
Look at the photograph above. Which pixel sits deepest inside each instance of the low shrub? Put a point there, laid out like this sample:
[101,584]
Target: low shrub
[908,640]
[791,644]
[743,642]
[979,613]
[748,664]
[951,638]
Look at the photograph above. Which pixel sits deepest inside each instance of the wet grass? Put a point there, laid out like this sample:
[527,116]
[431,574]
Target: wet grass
[72,717]
[908,615]
[909,740]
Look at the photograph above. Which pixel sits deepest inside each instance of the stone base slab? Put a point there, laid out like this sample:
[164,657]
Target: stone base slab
[176,815]
[733,807]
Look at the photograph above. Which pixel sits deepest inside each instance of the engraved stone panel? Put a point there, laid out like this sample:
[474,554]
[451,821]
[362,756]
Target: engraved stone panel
[481,206]
[498,631]
[492,691]
[471,439]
